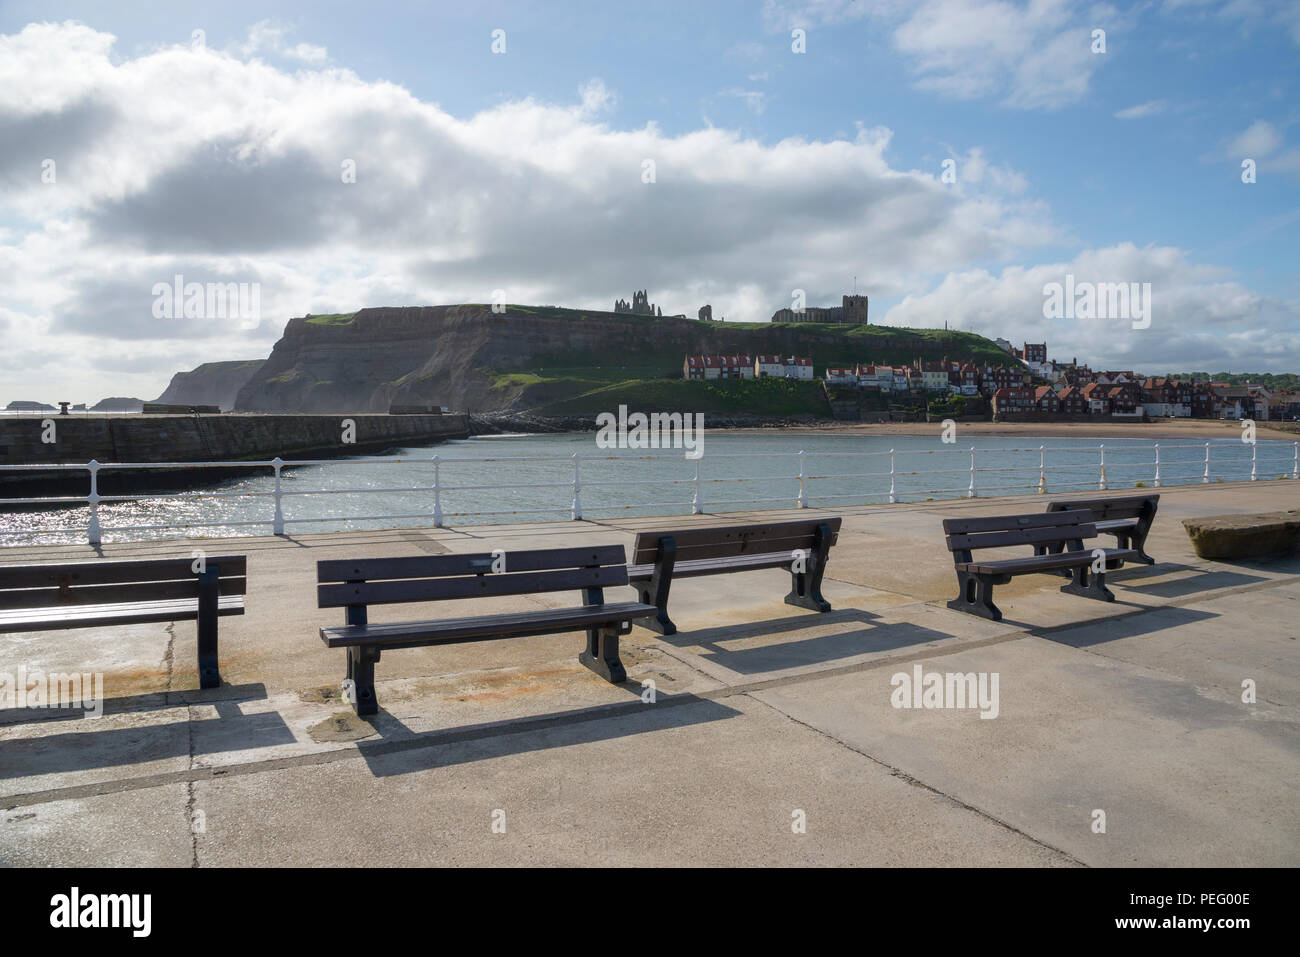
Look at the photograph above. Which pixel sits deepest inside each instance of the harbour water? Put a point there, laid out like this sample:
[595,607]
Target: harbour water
[527,478]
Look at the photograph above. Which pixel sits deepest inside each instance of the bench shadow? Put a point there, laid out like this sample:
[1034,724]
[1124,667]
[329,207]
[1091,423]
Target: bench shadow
[231,730]
[139,703]
[402,751]
[814,650]
[1198,580]
[1130,625]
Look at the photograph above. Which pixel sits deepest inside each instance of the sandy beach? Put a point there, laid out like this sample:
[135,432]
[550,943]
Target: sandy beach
[1155,431]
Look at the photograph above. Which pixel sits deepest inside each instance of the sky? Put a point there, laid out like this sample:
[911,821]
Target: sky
[952,158]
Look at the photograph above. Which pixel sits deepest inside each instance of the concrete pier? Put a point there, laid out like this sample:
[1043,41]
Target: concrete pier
[226,436]
[763,716]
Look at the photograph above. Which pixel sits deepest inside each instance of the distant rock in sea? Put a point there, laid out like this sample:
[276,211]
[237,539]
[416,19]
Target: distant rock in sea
[21,405]
[118,403]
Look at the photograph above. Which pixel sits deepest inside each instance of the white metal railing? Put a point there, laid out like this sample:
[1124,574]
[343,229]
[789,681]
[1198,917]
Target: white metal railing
[1196,469]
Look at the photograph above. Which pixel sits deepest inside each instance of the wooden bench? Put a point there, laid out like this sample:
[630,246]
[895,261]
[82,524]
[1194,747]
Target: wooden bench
[356,584]
[1066,529]
[659,557]
[1128,518]
[87,594]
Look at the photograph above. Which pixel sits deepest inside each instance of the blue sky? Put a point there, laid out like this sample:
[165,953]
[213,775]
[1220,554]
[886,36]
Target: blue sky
[1126,163]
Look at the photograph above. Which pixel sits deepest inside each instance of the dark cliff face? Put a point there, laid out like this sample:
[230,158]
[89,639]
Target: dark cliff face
[213,383]
[458,355]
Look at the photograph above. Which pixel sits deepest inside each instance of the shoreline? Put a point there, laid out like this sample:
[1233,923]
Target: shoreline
[1165,429]
[1196,428]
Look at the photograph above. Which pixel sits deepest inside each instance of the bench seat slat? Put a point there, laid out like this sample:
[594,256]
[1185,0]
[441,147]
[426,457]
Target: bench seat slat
[448,630]
[467,586]
[115,572]
[721,541]
[1129,506]
[1033,563]
[1002,523]
[712,566]
[435,566]
[1020,536]
[125,613]
[79,595]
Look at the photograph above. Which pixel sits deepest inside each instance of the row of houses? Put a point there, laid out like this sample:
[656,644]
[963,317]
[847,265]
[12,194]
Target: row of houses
[1153,398]
[747,367]
[964,378]
[1074,389]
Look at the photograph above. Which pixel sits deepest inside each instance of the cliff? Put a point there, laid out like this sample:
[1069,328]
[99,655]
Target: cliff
[533,357]
[213,383]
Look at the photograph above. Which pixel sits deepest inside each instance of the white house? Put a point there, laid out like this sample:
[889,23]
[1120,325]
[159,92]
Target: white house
[797,367]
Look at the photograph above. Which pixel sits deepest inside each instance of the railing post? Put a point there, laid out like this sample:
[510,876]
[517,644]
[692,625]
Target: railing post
[697,504]
[971,491]
[1295,462]
[803,482]
[1254,466]
[1157,465]
[437,492]
[1042,470]
[576,508]
[1101,482]
[93,530]
[1206,478]
[277,520]
[892,497]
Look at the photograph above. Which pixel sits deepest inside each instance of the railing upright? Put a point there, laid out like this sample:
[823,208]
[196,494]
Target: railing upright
[437,492]
[697,503]
[1157,465]
[1206,478]
[1042,470]
[1295,462]
[893,497]
[803,481]
[93,531]
[971,491]
[576,509]
[277,517]
[1101,482]
[1254,465]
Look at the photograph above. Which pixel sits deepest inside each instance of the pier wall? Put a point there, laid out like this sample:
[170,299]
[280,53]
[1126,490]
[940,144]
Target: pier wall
[205,438]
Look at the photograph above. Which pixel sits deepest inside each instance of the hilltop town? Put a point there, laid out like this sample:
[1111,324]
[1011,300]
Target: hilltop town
[819,363]
[1036,390]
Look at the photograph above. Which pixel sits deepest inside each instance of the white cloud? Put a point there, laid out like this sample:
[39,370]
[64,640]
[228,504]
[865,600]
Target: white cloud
[755,100]
[1201,318]
[267,37]
[1257,140]
[223,168]
[1031,54]
[1149,108]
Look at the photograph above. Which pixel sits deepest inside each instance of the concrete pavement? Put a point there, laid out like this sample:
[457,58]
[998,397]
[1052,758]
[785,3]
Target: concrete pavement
[773,737]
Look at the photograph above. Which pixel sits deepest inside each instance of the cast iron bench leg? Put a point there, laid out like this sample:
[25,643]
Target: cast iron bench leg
[976,597]
[601,653]
[1089,584]
[209,672]
[1139,543]
[655,591]
[361,672]
[806,586]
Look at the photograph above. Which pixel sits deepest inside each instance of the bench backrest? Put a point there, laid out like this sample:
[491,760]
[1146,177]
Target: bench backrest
[115,582]
[732,540]
[1007,531]
[385,581]
[1106,509]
